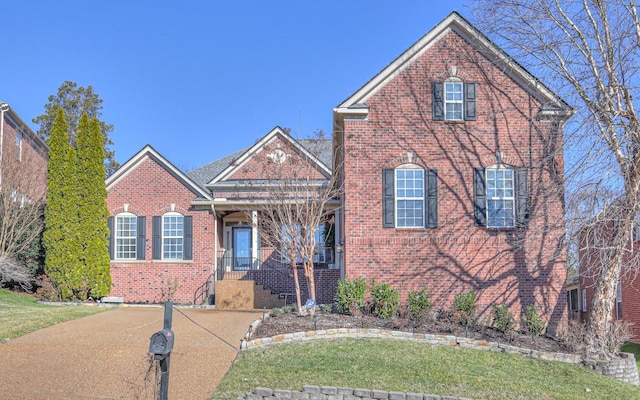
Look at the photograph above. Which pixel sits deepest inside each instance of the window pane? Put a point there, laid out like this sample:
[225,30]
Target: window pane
[126,234]
[500,197]
[453,100]
[172,237]
[410,198]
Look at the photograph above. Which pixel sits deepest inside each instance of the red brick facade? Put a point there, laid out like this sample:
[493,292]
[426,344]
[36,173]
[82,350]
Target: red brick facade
[518,266]
[150,190]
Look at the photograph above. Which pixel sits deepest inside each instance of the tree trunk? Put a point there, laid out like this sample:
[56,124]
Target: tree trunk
[311,283]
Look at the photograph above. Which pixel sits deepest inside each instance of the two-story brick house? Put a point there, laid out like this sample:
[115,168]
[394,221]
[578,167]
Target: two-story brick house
[23,159]
[451,162]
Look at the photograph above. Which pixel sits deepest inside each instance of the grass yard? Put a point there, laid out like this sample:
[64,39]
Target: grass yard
[21,314]
[411,367]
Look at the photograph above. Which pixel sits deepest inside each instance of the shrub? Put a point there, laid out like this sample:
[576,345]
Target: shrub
[350,296]
[503,318]
[620,332]
[464,307]
[419,303]
[385,300]
[532,321]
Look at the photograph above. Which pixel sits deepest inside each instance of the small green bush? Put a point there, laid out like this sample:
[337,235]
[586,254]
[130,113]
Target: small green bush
[419,303]
[385,300]
[532,321]
[464,307]
[503,319]
[350,296]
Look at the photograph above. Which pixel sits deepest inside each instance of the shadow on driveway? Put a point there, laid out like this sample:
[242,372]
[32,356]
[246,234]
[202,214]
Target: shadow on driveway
[105,355]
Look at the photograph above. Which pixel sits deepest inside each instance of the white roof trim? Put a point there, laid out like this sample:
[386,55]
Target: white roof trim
[258,147]
[150,152]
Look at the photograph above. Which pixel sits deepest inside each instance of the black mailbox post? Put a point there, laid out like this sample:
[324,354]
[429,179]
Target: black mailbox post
[161,345]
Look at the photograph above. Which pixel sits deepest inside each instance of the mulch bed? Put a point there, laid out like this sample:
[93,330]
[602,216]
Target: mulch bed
[291,323]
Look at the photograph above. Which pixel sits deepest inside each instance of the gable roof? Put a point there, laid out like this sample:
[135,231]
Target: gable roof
[552,103]
[226,167]
[149,152]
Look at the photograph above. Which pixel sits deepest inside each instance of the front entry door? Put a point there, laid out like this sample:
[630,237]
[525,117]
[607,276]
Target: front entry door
[241,248]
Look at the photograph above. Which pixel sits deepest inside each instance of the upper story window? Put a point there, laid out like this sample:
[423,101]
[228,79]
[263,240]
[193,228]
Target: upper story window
[454,100]
[500,196]
[410,197]
[126,234]
[172,236]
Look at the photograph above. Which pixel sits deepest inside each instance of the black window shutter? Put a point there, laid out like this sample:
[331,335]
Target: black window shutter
[470,101]
[479,197]
[156,243]
[522,199]
[141,240]
[188,238]
[388,198]
[432,198]
[111,245]
[437,98]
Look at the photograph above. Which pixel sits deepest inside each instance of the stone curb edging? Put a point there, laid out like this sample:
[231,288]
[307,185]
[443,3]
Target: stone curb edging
[339,393]
[624,369]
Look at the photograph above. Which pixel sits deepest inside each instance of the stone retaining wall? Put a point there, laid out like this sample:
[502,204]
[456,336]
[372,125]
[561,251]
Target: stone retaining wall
[624,368]
[338,393]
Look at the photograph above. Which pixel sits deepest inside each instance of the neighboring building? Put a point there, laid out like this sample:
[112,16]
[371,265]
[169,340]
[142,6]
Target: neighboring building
[595,242]
[23,159]
[451,160]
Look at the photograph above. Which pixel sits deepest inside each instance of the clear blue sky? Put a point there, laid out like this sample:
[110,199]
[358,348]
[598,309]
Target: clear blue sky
[199,80]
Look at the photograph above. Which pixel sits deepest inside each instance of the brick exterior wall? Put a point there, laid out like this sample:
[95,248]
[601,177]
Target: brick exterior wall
[23,168]
[513,266]
[281,281]
[150,190]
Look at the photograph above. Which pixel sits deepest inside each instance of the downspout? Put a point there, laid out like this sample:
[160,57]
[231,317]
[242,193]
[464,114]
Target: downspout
[4,107]
[215,242]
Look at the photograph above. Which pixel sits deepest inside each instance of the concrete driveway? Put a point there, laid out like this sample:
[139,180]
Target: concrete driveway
[105,356]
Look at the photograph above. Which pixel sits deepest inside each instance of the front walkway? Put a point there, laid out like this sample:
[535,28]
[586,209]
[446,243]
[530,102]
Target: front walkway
[105,356]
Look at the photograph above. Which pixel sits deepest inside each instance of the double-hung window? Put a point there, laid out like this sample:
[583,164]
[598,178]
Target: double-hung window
[409,198]
[172,236]
[500,197]
[453,101]
[126,236]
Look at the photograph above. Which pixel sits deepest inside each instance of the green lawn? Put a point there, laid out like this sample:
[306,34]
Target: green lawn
[21,314]
[411,367]
[632,348]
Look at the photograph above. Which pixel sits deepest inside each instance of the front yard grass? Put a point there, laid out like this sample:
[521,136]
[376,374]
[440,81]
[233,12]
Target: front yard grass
[634,348]
[21,314]
[417,368]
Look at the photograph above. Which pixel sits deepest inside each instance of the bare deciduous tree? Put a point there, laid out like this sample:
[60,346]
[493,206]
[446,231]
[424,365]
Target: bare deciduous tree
[299,197]
[588,51]
[21,217]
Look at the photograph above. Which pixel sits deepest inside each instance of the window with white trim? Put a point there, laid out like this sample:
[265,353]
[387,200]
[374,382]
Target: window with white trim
[126,233]
[500,183]
[619,300]
[172,236]
[409,198]
[584,300]
[453,100]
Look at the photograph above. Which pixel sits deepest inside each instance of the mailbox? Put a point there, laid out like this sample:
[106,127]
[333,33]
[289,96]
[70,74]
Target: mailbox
[161,343]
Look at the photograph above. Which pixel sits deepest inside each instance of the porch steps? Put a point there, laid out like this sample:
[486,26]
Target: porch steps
[245,295]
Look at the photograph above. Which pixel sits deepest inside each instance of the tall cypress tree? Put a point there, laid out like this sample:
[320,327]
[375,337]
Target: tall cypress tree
[92,207]
[60,237]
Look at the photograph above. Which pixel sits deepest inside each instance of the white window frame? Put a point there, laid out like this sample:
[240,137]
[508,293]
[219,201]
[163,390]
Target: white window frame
[453,100]
[619,300]
[414,194]
[172,237]
[126,238]
[584,300]
[19,135]
[319,253]
[500,195]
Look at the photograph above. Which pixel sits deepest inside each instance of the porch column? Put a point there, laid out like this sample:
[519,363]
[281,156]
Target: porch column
[254,235]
